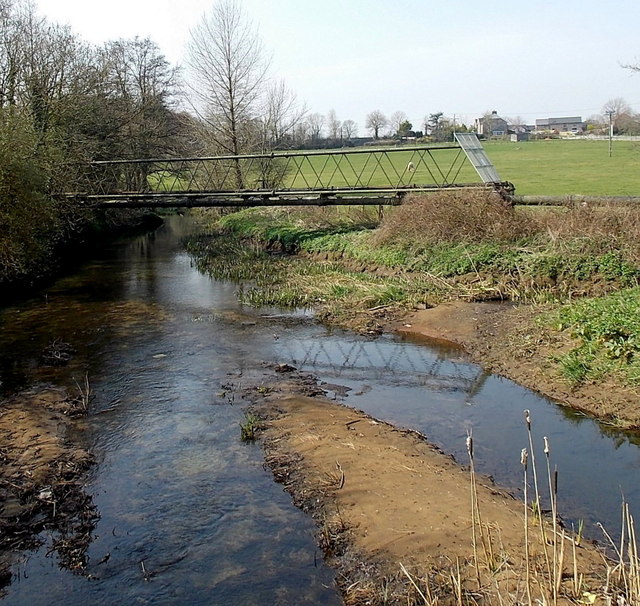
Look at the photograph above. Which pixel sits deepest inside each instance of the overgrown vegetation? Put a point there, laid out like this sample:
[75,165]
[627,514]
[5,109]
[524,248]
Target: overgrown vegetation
[444,246]
[64,102]
[30,224]
[606,331]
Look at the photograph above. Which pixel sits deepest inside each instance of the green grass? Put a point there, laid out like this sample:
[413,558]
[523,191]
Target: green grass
[387,169]
[561,167]
[554,167]
[607,334]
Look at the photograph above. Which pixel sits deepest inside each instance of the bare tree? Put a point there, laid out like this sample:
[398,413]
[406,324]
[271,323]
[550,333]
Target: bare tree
[349,129]
[617,107]
[281,115]
[634,67]
[397,118]
[9,54]
[37,63]
[144,84]
[302,132]
[515,121]
[333,125]
[228,66]
[316,123]
[376,120]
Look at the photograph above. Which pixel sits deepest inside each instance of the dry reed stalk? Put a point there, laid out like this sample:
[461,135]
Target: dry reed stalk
[474,539]
[457,582]
[621,564]
[577,579]
[527,418]
[632,550]
[558,571]
[552,495]
[428,599]
[534,470]
[523,461]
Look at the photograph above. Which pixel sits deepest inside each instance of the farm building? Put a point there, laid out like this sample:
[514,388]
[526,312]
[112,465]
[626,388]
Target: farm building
[491,125]
[572,124]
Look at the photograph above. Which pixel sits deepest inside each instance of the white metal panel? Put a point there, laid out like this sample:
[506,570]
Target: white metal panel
[478,157]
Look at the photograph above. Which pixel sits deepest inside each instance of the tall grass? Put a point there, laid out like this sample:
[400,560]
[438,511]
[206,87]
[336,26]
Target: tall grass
[498,578]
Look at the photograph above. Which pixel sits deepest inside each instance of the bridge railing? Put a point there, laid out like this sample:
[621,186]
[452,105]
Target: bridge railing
[316,171]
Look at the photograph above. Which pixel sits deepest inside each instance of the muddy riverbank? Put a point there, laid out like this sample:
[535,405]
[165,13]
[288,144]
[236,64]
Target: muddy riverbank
[505,339]
[394,513]
[168,351]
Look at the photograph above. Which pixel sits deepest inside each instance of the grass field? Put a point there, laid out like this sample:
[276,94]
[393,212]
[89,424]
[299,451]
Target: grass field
[559,167]
[553,167]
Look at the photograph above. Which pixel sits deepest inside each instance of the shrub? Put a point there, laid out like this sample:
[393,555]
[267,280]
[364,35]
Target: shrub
[29,220]
[597,229]
[455,216]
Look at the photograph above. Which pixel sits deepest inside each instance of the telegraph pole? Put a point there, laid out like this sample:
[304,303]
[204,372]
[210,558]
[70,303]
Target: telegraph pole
[610,114]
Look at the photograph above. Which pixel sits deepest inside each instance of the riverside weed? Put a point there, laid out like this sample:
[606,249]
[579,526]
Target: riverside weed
[249,427]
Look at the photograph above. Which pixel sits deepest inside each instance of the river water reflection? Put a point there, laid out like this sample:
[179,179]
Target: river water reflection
[188,514]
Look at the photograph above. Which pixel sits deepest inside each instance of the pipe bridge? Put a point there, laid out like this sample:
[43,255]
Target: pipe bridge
[363,176]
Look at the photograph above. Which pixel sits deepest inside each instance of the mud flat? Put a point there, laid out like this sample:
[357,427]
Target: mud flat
[394,514]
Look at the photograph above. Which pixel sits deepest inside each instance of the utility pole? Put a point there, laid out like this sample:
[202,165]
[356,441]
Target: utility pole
[610,114]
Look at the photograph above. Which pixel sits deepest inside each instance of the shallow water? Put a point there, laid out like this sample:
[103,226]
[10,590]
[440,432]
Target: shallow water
[180,496]
[435,390]
[188,514]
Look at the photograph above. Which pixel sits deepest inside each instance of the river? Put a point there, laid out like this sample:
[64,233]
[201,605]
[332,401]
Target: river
[188,514]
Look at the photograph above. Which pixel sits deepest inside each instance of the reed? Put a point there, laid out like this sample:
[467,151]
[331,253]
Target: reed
[623,573]
[537,504]
[524,459]
[534,583]
[84,395]
[475,522]
[553,485]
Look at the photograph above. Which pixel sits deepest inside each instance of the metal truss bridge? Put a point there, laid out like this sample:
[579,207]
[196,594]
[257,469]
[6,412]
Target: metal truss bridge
[362,176]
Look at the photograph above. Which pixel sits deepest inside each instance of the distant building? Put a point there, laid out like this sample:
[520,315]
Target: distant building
[521,128]
[572,124]
[491,125]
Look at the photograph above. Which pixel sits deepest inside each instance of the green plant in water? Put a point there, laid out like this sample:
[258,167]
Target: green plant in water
[248,427]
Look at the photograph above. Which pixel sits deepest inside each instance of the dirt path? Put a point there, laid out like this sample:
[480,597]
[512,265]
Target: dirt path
[505,339]
[384,498]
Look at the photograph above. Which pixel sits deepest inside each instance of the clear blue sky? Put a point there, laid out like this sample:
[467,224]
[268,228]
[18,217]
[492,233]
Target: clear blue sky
[464,57]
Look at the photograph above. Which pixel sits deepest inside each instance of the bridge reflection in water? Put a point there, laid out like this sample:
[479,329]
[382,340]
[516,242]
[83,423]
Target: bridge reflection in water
[392,362]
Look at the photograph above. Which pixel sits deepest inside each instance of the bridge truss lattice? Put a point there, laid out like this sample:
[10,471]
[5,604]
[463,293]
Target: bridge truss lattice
[347,176]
